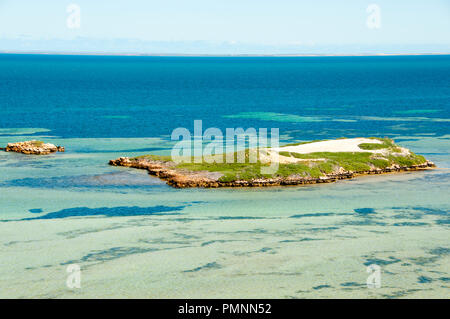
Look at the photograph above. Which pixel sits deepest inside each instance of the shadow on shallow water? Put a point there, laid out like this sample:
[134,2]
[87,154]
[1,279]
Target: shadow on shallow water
[110,254]
[109,212]
[122,179]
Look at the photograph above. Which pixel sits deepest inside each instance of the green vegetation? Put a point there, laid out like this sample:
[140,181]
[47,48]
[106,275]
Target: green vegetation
[245,154]
[248,171]
[159,158]
[312,165]
[412,159]
[387,143]
[372,146]
[230,171]
[359,161]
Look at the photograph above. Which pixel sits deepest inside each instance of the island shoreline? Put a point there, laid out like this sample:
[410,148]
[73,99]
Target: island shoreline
[180,179]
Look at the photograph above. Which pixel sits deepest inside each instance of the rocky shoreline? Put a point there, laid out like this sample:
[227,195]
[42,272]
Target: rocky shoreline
[33,148]
[180,178]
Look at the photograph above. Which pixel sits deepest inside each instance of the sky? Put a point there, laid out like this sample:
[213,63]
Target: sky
[225,26]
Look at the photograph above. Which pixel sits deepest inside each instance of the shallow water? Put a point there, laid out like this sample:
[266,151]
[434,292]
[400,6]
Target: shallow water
[134,236]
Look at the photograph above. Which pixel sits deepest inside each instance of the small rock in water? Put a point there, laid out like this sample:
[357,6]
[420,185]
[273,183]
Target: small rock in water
[33,147]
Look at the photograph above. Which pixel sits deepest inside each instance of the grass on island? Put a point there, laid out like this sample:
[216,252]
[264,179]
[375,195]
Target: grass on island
[321,163]
[158,158]
[387,143]
[359,161]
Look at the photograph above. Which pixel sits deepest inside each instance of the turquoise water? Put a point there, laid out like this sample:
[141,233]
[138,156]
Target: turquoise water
[134,236]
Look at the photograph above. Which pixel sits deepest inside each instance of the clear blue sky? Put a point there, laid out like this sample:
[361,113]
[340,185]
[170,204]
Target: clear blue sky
[269,25]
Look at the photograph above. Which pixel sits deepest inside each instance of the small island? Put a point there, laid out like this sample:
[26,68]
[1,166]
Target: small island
[33,148]
[298,164]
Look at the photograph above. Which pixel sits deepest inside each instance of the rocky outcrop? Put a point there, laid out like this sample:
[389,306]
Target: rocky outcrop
[182,178]
[34,148]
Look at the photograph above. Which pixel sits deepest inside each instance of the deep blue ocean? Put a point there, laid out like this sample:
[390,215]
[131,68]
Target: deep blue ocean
[134,236]
[113,96]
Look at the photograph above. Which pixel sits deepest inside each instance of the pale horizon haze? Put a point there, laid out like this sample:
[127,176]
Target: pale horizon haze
[225,27]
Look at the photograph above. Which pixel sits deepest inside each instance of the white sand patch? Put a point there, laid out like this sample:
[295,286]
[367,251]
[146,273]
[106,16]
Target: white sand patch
[342,145]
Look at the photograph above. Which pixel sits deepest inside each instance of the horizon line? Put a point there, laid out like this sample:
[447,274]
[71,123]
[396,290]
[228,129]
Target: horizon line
[220,55]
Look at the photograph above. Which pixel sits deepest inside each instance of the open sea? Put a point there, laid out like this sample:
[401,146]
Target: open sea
[134,236]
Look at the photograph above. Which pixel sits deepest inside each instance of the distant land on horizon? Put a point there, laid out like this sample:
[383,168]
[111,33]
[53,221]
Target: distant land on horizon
[137,47]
